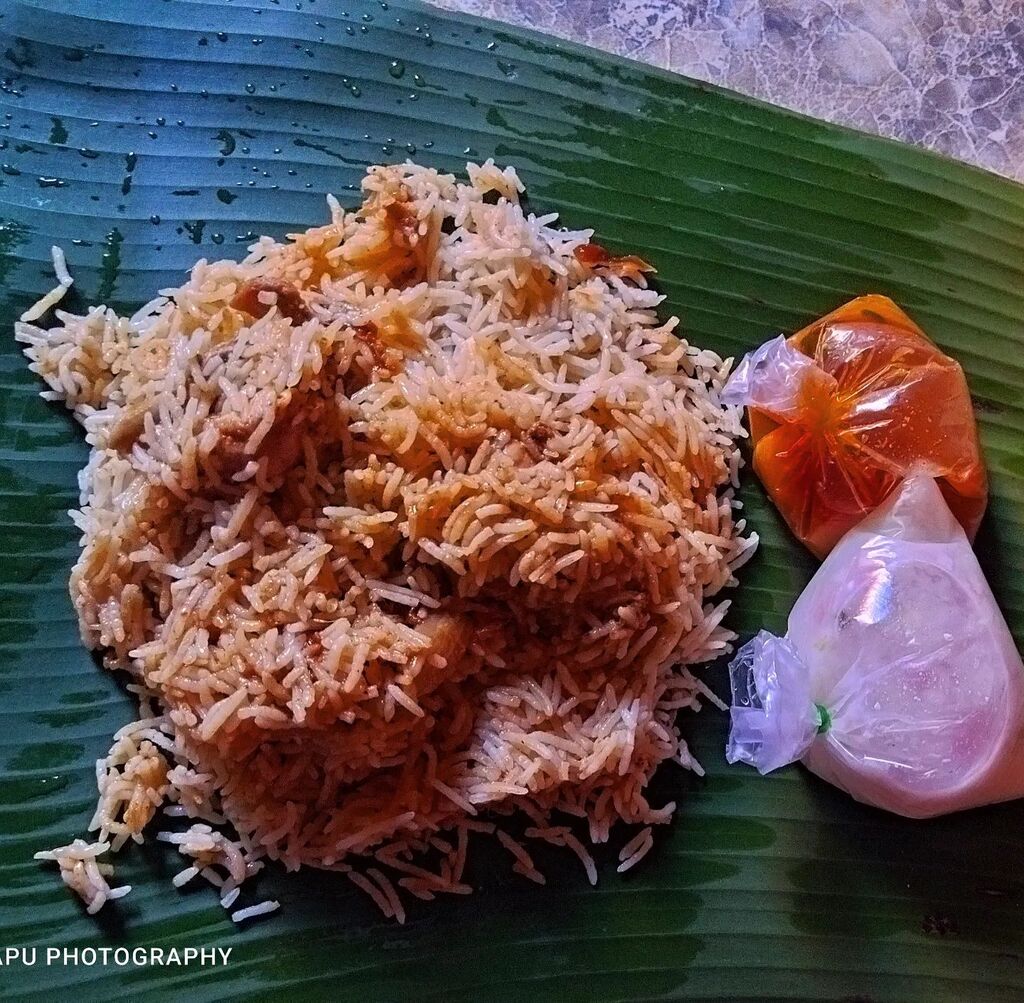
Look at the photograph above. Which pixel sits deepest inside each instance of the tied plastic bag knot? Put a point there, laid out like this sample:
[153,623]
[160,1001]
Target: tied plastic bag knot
[774,718]
[772,378]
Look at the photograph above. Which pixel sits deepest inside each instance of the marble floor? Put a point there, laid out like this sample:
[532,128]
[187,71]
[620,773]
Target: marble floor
[945,74]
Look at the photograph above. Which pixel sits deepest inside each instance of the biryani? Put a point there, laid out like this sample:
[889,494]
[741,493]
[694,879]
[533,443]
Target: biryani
[400,527]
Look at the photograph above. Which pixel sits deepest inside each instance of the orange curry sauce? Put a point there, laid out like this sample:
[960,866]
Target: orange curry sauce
[897,401]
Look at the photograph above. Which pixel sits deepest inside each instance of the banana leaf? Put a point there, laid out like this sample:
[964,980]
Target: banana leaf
[140,137]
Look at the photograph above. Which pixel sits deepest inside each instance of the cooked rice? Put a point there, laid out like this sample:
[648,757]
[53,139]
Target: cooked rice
[636,849]
[251,912]
[55,295]
[82,872]
[418,514]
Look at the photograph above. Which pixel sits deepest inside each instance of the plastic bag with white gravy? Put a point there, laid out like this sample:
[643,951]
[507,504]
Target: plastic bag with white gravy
[898,680]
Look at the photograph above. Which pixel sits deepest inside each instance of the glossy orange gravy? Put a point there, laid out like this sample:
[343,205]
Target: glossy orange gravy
[896,401]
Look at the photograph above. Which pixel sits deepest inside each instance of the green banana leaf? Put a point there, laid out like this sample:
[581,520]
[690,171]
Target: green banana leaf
[141,136]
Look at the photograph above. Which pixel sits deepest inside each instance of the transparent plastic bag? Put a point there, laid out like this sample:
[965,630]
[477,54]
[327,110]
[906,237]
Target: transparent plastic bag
[898,680]
[841,411]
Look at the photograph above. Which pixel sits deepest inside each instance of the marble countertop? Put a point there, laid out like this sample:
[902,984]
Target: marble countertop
[944,74]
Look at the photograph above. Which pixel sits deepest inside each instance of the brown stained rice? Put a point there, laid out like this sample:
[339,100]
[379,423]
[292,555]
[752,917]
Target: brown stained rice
[418,514]
[82,872]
